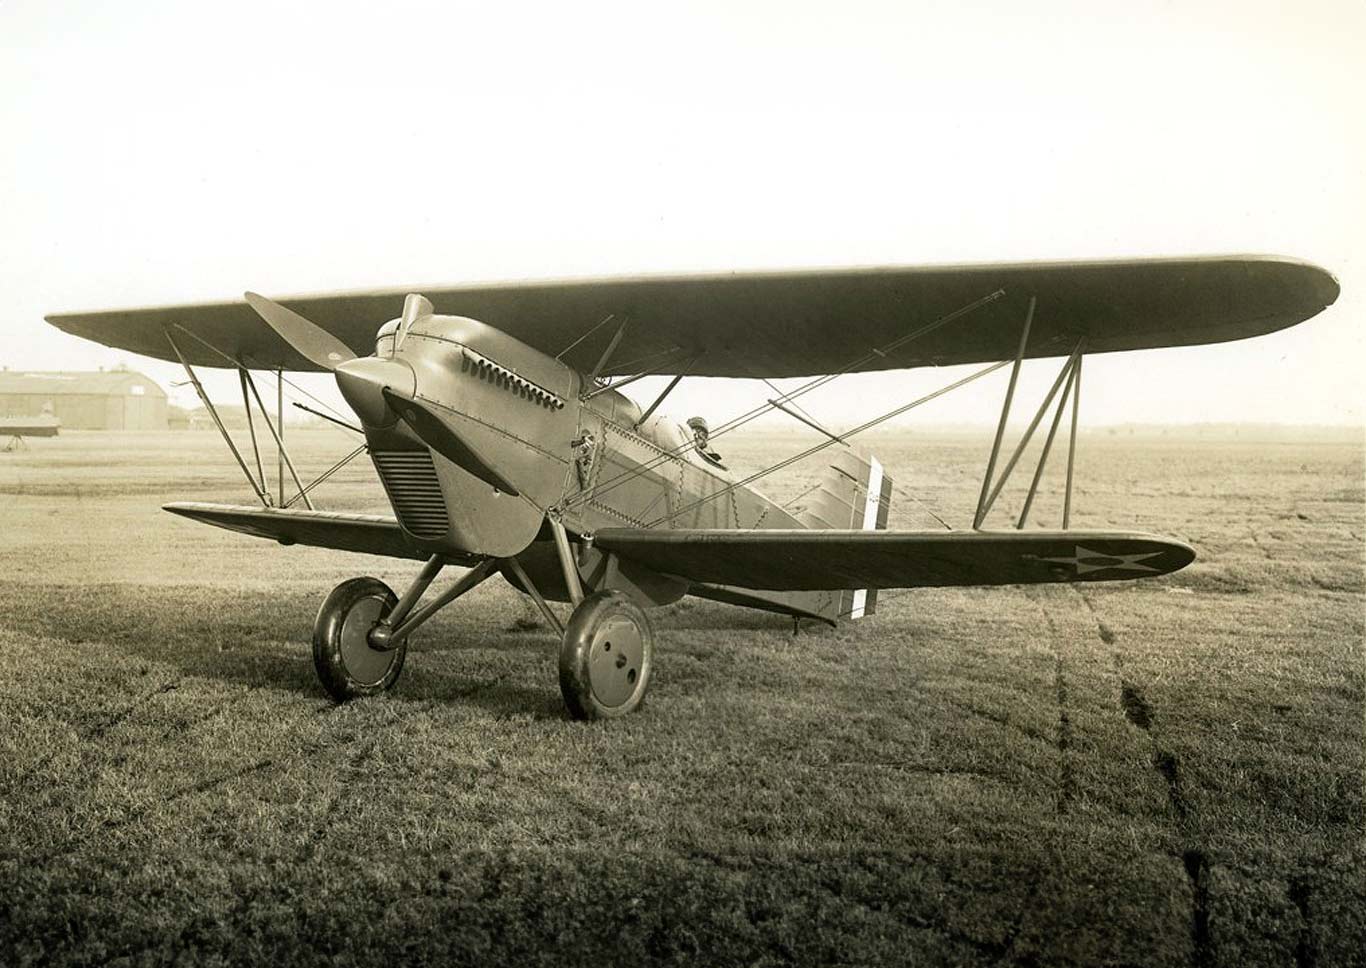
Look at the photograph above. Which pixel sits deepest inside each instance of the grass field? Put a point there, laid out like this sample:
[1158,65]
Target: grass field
[1149,773]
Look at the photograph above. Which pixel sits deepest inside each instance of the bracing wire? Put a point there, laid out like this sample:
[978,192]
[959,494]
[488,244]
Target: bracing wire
[795,406]
[605,320]
[827,443]
[246,365]
[729,488]
[623,477]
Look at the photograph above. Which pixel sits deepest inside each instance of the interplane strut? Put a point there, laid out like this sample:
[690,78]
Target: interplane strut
[1068,380]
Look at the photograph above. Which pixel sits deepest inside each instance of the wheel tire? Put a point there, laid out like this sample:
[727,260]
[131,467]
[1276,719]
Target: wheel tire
[606,657]
[347,665]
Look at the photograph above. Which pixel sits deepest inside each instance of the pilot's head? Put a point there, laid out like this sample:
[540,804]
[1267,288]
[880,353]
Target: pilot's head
[700,431]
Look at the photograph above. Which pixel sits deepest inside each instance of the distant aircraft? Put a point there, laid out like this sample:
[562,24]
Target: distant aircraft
[16,428]
[504,444]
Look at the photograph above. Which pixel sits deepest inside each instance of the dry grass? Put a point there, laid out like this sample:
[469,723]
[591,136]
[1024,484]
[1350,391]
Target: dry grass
[1163,772]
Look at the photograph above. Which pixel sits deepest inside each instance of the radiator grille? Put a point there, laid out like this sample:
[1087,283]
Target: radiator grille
[410,478]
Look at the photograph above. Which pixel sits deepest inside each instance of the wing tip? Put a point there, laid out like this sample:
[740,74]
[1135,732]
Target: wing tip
[1320,285]
[1329,286]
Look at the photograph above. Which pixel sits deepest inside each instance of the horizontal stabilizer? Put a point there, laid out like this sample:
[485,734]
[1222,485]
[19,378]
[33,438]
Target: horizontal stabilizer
[369,534]
[796,559]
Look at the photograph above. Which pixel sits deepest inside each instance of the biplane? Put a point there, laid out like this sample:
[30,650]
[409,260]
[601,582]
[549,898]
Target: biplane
[496,422]
[17,428]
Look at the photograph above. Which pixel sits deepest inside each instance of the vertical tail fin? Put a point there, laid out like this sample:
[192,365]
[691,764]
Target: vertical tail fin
[855,492]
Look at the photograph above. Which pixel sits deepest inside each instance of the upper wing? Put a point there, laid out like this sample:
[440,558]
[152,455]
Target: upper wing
[367,533]
[782,324]
[797,559]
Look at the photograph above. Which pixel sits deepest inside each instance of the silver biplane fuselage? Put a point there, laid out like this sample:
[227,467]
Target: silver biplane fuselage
[564,445]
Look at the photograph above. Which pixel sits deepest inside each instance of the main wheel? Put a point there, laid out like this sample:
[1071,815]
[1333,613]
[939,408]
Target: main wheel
[348,665]
[605,657]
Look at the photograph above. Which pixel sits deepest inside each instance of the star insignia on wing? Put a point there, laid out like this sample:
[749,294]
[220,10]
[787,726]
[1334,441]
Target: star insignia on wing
[1085,561]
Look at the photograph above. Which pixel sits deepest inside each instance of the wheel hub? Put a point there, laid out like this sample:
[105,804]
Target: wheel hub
[364,663]
[614,663]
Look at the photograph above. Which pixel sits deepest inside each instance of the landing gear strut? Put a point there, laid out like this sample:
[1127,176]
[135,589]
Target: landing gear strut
[360,637]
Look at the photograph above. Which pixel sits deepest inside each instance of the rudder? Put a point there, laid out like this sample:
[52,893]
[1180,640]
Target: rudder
[855,492]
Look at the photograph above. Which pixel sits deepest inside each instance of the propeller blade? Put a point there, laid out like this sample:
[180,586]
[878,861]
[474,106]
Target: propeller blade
[414,306]
[308,339]
[434,432]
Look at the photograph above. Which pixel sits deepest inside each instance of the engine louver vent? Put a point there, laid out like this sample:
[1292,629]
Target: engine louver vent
[410,478]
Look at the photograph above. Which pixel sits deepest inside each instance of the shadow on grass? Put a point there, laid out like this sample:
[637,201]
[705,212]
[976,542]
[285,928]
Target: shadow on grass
[238,637]
[493,694]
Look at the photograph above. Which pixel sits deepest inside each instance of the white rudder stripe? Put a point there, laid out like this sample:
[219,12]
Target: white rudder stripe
[870,508]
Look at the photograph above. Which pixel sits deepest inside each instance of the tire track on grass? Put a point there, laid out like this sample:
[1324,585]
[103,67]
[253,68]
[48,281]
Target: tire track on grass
[1000,720]
[348,771]
[138,813]
[320,744]
[86,775]
[359,755]
[99,730]
[878,905]
[1067,780]
[182,726]
[1134,704]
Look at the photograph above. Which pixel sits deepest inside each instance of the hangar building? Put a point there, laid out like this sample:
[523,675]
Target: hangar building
[118,399]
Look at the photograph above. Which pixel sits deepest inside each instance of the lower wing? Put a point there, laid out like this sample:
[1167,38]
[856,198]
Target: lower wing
[795,560]
[778,559]
[367,533]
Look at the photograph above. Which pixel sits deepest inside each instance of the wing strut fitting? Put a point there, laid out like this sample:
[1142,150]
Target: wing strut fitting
[666,356]
[607,353]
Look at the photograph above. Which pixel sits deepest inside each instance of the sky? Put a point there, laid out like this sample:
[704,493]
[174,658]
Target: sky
[161,152]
